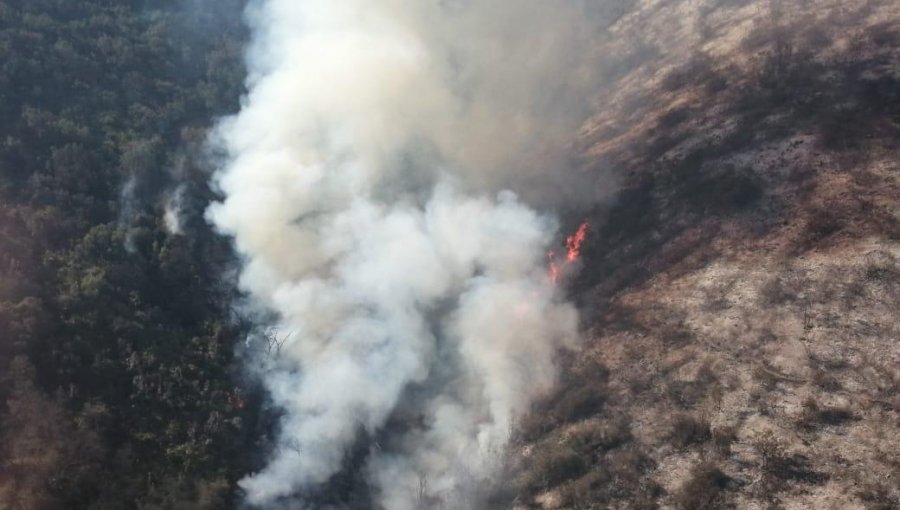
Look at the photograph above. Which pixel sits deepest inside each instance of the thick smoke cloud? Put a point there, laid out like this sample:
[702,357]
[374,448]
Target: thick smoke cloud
[363,188]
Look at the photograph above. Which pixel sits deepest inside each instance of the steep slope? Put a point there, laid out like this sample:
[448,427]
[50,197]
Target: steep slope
[740,295]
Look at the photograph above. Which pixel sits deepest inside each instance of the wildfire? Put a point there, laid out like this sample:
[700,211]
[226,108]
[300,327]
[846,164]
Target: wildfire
[574,242]
[573,252]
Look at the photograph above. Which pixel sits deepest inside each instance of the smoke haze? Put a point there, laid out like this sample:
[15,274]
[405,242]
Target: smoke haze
[365,190]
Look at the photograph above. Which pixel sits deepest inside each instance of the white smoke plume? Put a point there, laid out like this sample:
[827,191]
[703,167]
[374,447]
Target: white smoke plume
[173,210]
[174,197]
[363,188]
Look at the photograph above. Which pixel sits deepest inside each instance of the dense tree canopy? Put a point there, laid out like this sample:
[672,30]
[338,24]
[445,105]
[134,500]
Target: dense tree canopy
[116,334]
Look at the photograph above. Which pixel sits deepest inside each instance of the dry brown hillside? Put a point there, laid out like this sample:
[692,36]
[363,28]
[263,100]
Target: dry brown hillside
[741,295]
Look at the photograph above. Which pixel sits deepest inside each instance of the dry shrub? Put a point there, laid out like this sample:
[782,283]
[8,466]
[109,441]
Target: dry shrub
[676,337]
[706,489]
[766,379]
[820,225]
[777,291]
[699,69]
[598,437]
[581,402]
[533,426]
[824,380]
[877,497]
[674,117]
[592,487]
[688,430]
[884,34]
[724,437]
[685,394]
[882,274]
[640,383]
[582,395]
[552,466]
[813,415]
[688,394]
[727,191]
[778,466]
[583,455]
[623,475]
[882,267]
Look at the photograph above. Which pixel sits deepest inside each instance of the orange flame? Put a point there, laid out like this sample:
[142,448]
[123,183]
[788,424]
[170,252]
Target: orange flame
[573,252]
[574,242]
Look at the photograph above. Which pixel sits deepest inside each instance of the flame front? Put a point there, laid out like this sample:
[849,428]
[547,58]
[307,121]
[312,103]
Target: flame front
[574,242]
[573,252]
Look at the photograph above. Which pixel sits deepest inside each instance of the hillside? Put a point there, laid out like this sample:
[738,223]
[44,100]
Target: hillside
[740,294]
[737,291]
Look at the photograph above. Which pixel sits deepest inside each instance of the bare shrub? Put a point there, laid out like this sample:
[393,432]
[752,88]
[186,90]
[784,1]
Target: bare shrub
[776,292]
[778,466]
[766,379]
[688,394]
[580,396]
[729,190]
[640,383]
[704,490]
[882,274]
[600,436]
[882,267]
[581,402]
[551,466]
[623,475]
[591,487]
[814,415]
[724,437]
[533,425]
[697,70]
[688,430]
[825,380]
[630,466]
[821,224]
[877,497]
[677,337]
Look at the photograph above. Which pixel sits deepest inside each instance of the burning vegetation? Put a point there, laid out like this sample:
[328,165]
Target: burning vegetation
[557,266]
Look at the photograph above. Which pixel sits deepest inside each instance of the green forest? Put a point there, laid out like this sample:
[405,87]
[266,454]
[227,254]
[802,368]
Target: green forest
[112,323]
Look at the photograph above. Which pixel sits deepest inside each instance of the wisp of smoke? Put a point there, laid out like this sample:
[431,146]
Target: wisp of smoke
[172,210]
[364,190]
